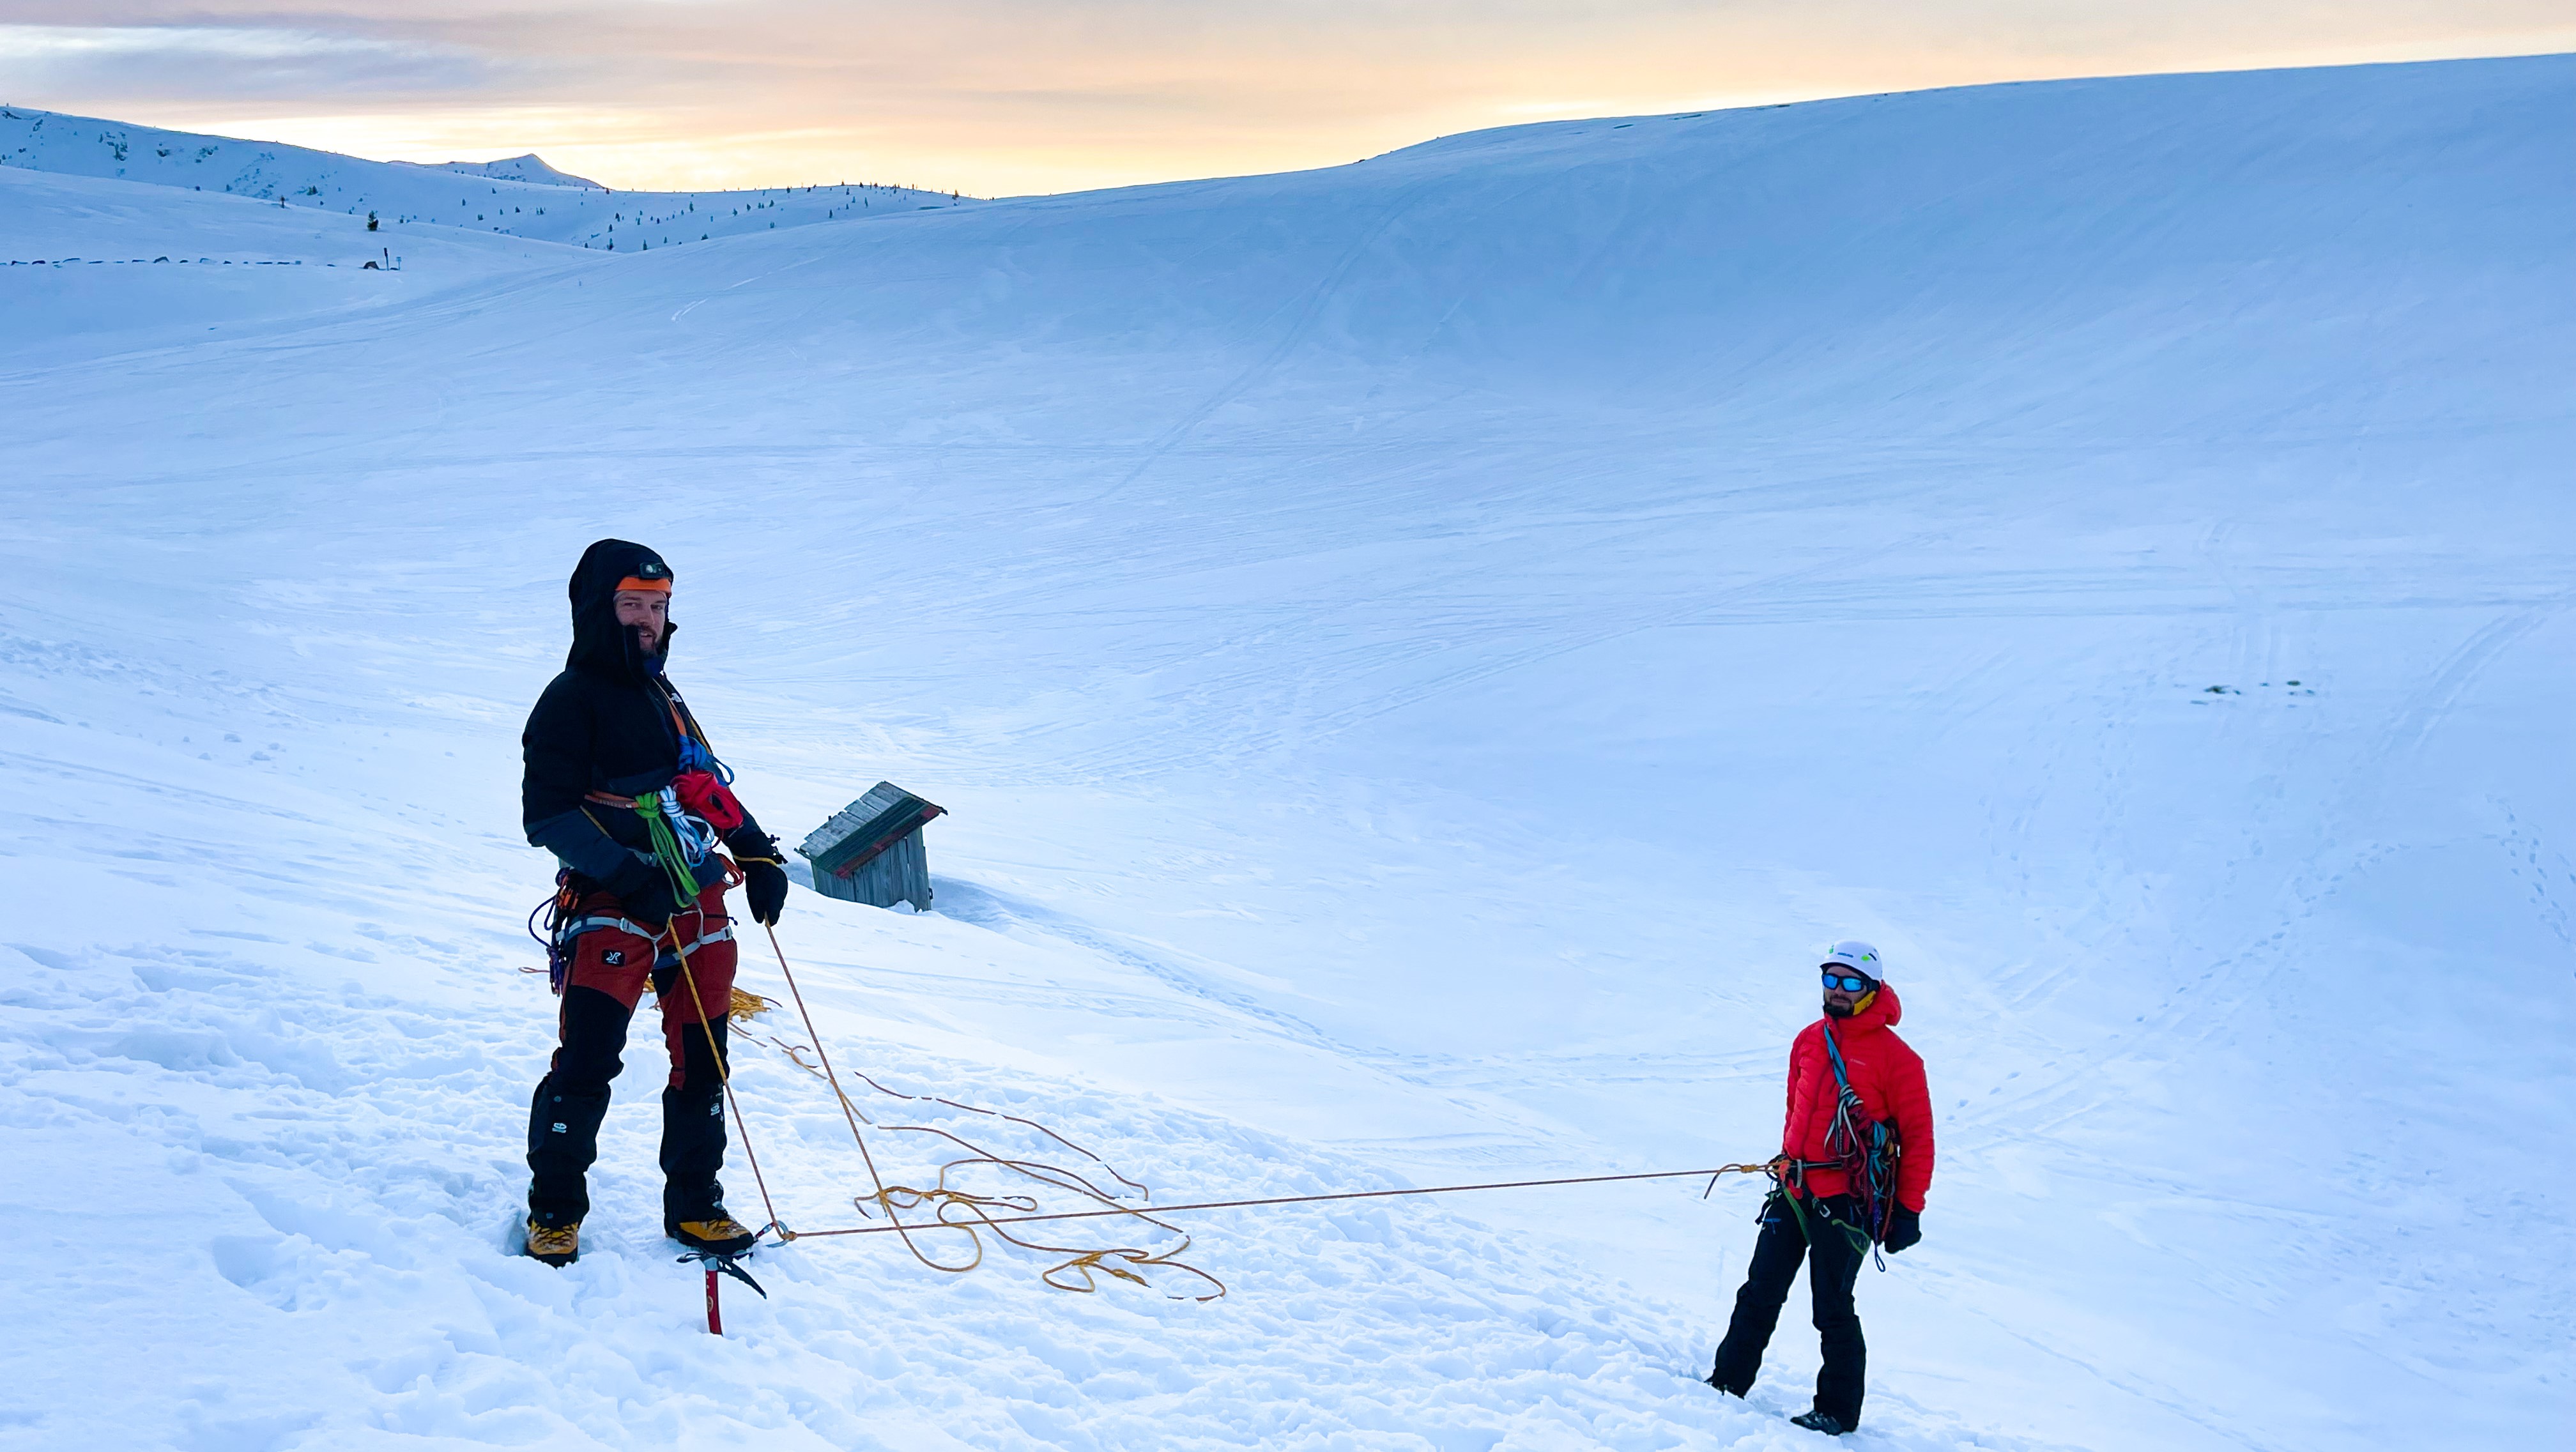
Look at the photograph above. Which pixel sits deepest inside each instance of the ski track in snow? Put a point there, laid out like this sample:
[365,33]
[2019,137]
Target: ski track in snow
[1415,654]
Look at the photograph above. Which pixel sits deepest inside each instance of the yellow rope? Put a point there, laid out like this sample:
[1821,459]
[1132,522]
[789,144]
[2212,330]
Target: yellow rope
[965,1211]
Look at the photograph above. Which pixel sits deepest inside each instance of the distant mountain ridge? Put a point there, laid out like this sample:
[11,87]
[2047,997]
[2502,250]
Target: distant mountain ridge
[528,168]
[517,197]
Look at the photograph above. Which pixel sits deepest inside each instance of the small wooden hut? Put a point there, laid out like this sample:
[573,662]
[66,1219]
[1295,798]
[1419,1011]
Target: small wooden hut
[871,850]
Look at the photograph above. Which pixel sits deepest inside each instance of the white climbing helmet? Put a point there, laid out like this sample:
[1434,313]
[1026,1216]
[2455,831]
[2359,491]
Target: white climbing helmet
[1859,957]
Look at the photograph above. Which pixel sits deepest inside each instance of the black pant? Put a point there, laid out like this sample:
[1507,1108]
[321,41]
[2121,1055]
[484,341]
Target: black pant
[1833,1246]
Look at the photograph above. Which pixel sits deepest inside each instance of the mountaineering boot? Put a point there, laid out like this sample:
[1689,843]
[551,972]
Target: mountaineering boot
[719,1233]
[556,1245]
[1815,1421]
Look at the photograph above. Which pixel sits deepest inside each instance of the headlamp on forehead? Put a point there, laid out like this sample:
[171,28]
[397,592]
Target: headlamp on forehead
[649,574]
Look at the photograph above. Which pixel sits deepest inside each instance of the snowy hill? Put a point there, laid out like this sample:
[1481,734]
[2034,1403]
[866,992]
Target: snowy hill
[113,265]
[1416,655]
[528,168]
[490,197]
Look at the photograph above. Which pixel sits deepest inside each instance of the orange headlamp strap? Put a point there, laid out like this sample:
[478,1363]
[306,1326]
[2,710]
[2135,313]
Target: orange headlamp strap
[658,587]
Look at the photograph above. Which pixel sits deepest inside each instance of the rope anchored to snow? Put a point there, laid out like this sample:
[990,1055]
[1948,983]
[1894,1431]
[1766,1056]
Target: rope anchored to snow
[1318,1199]
[972,1214]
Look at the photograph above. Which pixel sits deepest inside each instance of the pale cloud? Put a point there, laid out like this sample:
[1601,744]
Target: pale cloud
[235,61]
[1007,96]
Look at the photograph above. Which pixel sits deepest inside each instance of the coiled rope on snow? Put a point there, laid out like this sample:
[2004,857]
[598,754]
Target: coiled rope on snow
[973,1214]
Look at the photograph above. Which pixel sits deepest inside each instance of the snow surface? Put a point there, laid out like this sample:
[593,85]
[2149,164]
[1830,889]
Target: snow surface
[1417,655]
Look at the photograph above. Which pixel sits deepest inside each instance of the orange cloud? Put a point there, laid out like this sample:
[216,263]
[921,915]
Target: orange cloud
[998,97]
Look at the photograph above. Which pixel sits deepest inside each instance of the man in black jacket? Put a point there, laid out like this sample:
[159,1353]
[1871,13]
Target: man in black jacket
[605,740]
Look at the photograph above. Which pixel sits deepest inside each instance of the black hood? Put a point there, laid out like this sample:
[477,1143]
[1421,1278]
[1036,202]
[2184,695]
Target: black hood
[599,645]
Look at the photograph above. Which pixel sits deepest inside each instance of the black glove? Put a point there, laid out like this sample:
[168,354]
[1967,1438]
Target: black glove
[1904,1227]
[764,886]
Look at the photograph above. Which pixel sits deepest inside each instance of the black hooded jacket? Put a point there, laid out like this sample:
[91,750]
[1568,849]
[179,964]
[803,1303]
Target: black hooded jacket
[609,723]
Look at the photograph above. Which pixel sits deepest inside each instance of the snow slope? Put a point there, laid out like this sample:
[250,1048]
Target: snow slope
[1417,654]
[113,265]
[522,197]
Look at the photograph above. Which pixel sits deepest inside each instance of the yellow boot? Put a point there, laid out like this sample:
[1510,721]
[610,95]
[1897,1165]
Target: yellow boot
[720,1233]
[556,1245]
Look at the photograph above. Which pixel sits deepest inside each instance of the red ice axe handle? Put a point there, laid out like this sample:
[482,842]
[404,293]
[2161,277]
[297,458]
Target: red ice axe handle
[715,1311]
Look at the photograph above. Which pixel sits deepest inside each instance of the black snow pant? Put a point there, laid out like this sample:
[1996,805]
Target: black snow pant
[610,968]
[1832,1245]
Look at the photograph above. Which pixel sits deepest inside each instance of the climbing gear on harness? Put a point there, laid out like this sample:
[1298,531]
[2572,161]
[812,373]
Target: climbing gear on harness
[563,928]
[556,910]
[683,840]
[704,783]
[702,795]
[683,844]
[555,1245]
[683,820]
[691,740]
[1866,1148]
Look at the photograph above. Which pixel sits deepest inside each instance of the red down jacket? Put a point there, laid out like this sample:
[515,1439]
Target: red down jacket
[1887,1074]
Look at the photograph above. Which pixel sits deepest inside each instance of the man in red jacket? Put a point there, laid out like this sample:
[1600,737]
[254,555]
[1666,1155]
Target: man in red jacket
[1855,1159]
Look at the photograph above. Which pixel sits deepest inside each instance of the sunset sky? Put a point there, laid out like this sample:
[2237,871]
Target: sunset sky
[1003,97]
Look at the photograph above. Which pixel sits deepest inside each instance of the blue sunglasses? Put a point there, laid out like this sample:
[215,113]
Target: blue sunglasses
[1846,983]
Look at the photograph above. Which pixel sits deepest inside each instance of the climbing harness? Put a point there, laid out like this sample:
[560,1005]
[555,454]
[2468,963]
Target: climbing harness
[1864,1149]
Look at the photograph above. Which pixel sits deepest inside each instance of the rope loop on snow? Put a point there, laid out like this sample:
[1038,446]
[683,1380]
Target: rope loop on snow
[968,1213]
